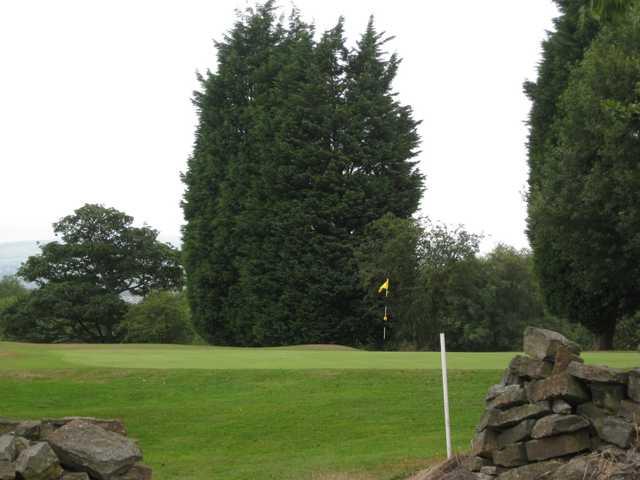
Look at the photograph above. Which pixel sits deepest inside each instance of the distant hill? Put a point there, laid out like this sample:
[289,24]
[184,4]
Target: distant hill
[12,254]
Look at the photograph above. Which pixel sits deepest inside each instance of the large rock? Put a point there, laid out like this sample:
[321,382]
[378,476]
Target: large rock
[510,456]
[7,470]
[38,462]
[630,411]
[533,471]
[561,385]
[558,446]
[512,416]
[564,356]
[607,396]
[50,425]
[544,344]
[634,385]
[615,430]
[530,368]
[597,373]
[517,433]
[484,443]
[511,396]
[7,447]
[86,447]
[557,424]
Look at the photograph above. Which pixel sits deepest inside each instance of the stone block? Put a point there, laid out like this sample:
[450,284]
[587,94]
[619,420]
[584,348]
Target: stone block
[512,416]
[475,463]
[511,396]
[482,424]
[510,456]
[38,462]
[561,406]
[560,386]
[597,373]
[557,424]
[533,471]
[563,358]
[484,443]
[634,385]
[21,444]
[517,433]
[558,446]
[530,368]
[590,411]
[615,430]
[543,344]
[492,470]
[86,447]
[7,447]
[607,395]
[630,411]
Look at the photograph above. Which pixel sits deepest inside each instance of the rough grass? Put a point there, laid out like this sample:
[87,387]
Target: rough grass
[222,413]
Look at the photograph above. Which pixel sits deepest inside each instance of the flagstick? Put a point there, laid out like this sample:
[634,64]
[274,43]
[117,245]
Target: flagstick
[445,391]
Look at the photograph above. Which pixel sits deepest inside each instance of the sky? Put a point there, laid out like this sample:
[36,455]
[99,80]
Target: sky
[95,103]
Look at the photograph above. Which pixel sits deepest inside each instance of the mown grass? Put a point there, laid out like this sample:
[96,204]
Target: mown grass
[221,413]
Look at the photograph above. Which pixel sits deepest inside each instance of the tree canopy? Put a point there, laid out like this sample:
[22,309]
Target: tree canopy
[83,277]
[301,144]
[583,150]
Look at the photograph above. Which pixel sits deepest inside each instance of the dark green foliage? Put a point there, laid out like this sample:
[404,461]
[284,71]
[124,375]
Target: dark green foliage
[11,291]
[389,249]
[440,284]
[162,317]
[66,311]
[82,278]
[583,207]
[300,145]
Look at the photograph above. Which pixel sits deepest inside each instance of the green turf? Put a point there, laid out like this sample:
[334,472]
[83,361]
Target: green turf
[223,358]
[220,413]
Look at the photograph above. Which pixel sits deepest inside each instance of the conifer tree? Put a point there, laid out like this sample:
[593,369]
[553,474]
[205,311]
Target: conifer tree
[281,184]
[581,250]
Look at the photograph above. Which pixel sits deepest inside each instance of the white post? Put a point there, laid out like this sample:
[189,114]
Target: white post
[445,392]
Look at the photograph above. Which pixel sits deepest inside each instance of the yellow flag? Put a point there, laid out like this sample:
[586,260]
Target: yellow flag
[384,286]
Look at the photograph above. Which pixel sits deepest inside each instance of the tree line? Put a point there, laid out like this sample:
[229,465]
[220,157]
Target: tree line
[301,197]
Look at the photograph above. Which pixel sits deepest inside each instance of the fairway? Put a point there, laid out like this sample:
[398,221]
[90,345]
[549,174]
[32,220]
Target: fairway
[313,413]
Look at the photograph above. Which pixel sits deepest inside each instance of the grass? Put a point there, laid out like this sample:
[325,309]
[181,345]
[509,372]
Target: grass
[226,413]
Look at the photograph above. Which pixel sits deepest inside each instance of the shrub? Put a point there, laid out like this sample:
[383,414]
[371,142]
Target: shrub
[162,317]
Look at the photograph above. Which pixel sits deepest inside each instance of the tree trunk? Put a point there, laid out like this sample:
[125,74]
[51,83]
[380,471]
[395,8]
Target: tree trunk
[604,338]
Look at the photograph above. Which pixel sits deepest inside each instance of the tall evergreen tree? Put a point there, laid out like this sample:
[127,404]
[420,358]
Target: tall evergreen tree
[281,183]
[578,249]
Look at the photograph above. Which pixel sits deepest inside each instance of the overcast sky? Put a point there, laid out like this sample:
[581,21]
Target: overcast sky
[95,103]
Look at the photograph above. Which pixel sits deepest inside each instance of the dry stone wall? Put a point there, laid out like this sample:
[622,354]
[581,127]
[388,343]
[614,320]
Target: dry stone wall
[552,416]
[70,448]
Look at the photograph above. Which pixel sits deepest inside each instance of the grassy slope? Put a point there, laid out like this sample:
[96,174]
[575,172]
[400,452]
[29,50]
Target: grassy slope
[220,413]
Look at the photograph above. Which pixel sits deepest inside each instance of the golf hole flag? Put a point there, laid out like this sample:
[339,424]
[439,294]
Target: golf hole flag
[385,287]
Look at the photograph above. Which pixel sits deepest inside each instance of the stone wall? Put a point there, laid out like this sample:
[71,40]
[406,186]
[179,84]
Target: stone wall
[552,417]
[70,448]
